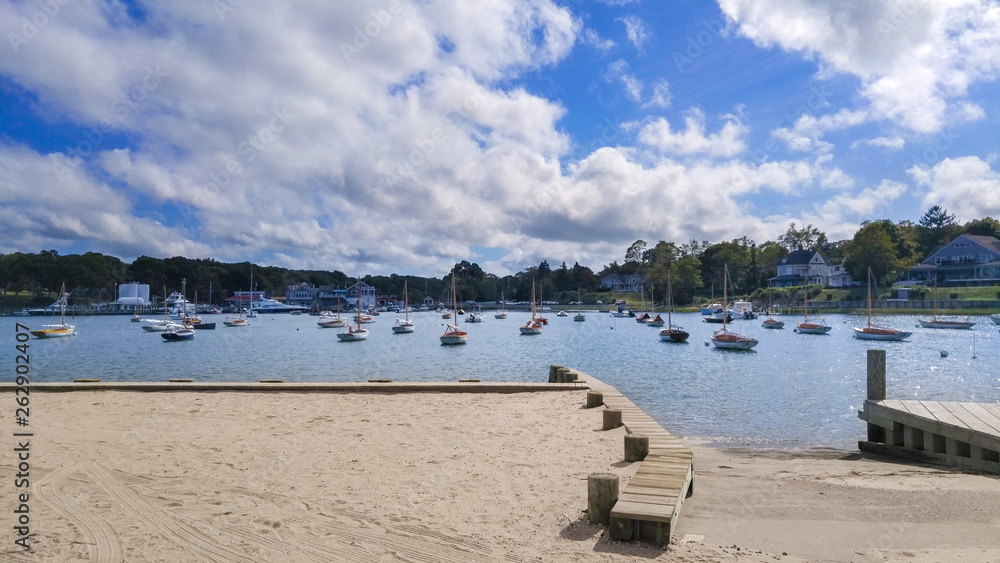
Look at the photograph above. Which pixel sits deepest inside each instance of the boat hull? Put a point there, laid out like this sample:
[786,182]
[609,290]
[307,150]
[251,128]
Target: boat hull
[454,337]
[673,335]
[809,328]
[402,328]
[880,334]
[178,336]
[995,319]
[353,335]
[733,342]
[68,330]
[203,326]
[938,323]
[771,323]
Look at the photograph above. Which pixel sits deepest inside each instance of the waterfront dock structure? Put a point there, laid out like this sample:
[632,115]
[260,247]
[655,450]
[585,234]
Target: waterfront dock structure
[649,507]
[955,434]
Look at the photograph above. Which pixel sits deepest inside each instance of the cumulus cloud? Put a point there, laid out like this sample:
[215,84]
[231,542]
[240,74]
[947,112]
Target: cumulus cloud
[728,142]
[890,143]
[808,130]
[966,186]
[915,60]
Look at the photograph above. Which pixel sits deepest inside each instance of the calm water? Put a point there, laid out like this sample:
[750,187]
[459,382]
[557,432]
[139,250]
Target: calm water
[793,390]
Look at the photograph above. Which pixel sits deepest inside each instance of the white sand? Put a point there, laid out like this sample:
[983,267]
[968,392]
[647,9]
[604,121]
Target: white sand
[441,477]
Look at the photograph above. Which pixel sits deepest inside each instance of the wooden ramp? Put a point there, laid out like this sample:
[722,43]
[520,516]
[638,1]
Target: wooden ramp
[960,435]
[650,505]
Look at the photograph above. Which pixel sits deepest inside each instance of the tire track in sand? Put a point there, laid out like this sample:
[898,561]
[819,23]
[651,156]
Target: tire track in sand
[101,539]
[183,534]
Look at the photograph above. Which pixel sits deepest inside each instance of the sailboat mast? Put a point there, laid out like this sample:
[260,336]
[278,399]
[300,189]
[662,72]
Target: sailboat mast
[725,311]
[869,297]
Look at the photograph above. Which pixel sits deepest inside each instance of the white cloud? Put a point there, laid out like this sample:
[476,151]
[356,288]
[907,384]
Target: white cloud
[915,60]
[591,37]
[890,143]
[728,142]
[661,95]
[808,130]
[635,29]
[966,186]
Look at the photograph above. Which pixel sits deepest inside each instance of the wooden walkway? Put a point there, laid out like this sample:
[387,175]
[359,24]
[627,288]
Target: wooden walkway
[650,505]
[960,435]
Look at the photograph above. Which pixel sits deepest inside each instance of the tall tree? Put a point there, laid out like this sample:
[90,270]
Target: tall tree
[987,226]
[806,238]
[873,248]
[935,228]
[635,252]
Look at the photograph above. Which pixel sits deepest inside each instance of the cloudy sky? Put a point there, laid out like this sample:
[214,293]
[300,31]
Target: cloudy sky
[404,135]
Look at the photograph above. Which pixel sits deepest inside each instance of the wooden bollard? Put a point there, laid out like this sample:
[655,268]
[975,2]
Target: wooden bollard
[594,399]
[636,447]
[612,419]
[602,494]
[553,371]
[876,390]
[561,375]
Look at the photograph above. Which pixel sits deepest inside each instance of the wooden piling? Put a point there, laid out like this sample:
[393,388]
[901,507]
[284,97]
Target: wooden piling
[636,447]
[553,371]
[602,494]
[594,399]
[612,419]
[876,390]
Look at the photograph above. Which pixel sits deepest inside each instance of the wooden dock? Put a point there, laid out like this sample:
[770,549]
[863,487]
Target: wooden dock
[959,435]
[649,507]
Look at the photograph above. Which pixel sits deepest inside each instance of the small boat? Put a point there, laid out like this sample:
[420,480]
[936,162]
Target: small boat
[806,327]
[532,326]
[718,316]
[236,321]
[156,325]
[295,312]
[357,333]
[579,317]
[562,314]
[203,326]
[995,318]
[656,321]
[935,322]
[770,321]
[332,322]
[61,329]
[726,339]
[475,316]
[177,333]
[877,332]
[642,318]
[452,334]
[672,332]
[446,315]
[405,325]
[136,319]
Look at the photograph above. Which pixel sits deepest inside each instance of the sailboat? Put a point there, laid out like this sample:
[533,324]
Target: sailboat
[770,321]
[452,334]
[532,326]
[328,320]
[656,321]
[239,321]
[405,325]
[537,318]
[61,329]
[725,338]
[156,325]
[877,332]
[935,322]
[672,333]
[806,327]
[176,332]
[355,333]
[502,313]
[579,317]
[643,316]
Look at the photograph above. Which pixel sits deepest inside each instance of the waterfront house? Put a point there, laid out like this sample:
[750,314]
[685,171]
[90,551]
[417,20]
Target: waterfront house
[622,282]
[809,266]
[301,294]
[969,260]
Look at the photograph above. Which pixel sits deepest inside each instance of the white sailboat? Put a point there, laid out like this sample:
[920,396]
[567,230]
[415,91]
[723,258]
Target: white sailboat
[61,329]
[355,333]
[452,334]
[579,317]
[502,313]
[726,339]
[935,322]
[871,332]
[405,325]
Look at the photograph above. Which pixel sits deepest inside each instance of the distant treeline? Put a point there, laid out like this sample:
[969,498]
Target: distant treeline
[694,268]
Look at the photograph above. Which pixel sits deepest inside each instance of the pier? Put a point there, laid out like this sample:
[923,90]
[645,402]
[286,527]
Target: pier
[956,434]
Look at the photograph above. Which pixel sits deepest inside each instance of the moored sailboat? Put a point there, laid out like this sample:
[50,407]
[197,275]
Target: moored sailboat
[770,321]
[61,329]
[452,334]
[805,326]
[404,325]
[355,333]
[532,326]
[875,332]
[935,322]
[726,339]
[672,332]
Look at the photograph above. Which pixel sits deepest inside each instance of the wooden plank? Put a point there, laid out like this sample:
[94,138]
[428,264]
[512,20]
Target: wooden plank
[648,499]
[942,414]
[984,415]
[992,407]
[970,420]
[641,511]
[916,408]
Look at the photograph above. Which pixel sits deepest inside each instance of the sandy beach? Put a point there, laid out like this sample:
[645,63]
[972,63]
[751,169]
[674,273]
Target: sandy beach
[243,476]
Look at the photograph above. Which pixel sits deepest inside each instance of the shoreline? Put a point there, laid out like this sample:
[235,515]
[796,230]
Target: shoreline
[450,477]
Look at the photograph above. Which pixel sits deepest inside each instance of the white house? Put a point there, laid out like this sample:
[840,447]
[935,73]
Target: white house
[809,266]
[620,282]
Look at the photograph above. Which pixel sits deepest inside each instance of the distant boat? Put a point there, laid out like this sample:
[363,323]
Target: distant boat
[656,321]
[806,327]
[672,332]
[995,318]
[532,326]
[22,313]
[725,338]
[176,333]
[502,313]
[579,317]
[405,325]
[935,322]
[357,333]
[135,318]
[452,334]
[877,332]
[770,321]
[61,329]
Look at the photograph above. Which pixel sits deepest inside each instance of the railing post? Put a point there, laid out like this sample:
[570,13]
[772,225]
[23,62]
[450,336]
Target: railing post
[876,390]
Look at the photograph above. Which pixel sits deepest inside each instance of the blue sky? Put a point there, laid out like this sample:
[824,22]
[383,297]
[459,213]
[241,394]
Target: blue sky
[399,136]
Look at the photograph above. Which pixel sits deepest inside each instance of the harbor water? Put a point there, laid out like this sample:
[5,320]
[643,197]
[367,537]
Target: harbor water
[793,390]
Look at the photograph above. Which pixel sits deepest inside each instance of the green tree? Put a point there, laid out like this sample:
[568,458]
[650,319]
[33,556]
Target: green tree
[987,226]
[873,248]
[635,252]
[806,238]
[935,227]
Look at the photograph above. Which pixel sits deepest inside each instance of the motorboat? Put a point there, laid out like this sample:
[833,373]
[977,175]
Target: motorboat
[579,317]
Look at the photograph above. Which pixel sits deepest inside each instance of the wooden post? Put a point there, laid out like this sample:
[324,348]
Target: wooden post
[553,371]
[562,375]
[612,419]
[876,390]
[621,528]
[602,494]
[594,399]
[636,447]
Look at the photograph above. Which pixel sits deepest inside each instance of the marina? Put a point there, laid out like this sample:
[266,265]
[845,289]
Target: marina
[791,390]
